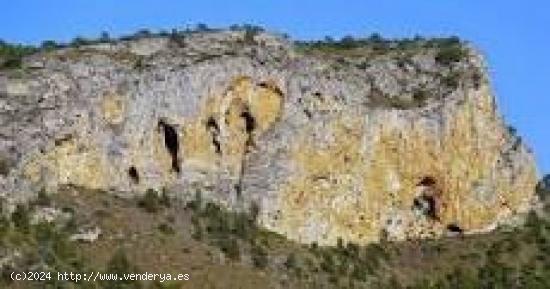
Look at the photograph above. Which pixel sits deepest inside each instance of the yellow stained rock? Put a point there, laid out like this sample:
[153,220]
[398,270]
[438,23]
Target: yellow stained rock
[355,190]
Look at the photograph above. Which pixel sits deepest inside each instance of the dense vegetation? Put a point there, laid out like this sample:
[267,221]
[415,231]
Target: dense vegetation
[40,247]
[376,41]
[450,49]
[543,189]
[12,54]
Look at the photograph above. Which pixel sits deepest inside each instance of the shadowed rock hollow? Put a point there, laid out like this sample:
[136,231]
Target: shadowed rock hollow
[352,143]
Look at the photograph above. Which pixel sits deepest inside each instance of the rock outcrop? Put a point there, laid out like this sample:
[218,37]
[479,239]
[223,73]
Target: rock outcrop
[394,144]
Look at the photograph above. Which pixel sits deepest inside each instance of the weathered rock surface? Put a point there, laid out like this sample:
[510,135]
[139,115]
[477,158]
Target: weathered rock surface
[358,148]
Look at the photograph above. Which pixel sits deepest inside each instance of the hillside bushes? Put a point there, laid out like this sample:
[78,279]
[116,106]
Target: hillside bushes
[543,189]
[450,53]
[11,54]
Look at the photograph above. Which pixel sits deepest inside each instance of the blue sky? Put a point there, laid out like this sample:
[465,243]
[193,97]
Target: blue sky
[514,35]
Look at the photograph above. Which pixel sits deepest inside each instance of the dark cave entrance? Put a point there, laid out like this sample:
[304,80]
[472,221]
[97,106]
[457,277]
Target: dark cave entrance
[454,229]
[134,175]
[171,142]
[427,182]
[427,203]
[249,126]
[214,129]
[249,121]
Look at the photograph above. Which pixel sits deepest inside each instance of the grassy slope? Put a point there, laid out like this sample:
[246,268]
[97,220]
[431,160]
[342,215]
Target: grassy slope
[225,250]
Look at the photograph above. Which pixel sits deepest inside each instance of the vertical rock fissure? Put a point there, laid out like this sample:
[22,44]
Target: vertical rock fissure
[214,129]
[250,126]
[171,142]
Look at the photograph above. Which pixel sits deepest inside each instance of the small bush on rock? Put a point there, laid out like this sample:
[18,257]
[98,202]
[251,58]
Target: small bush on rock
[451,53]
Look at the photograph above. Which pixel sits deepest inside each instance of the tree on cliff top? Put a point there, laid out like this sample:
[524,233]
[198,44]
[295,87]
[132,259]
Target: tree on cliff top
[543,189]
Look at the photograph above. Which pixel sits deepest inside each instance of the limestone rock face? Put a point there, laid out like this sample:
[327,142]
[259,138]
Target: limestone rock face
[359,148]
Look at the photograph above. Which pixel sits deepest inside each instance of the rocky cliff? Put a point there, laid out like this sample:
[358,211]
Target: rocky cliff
[358,143]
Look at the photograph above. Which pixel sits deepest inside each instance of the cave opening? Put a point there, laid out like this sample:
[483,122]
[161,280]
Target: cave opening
[134,175]
[427,182]
[212,124]
[214,129]
[454,228]
[426,205]
[249,121]
[249,126]
[171,142]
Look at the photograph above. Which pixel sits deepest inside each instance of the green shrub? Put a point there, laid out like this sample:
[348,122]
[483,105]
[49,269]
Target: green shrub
[152,202]
[543,189]
[197,234]
[451,53]
[378,44]
[166,229]
[259,256]
[359,272]
[217,224]
[79,41]
[12,62]
[62,252]
[5,165]
[451,80]
[477,79]
[142,33]
[230,247]
[49,45]
[201,27]
[420,96]
[43,199]
[347,42]
[250,32]
[119,264]
[20,218]
[291,262]
[11,55]
[104,37]
[327,262]
[196,204]
[4,228]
